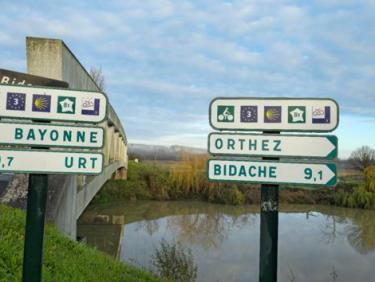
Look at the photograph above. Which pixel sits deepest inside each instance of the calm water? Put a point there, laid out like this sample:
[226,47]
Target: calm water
[316,243]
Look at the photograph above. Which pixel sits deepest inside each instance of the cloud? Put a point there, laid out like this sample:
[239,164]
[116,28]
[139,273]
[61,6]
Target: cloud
[165,60]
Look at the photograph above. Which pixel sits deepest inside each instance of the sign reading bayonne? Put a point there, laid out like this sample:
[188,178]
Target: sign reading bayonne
[274,114]
[272,172]
[50,135]
[41,103]
[275,145]
[50,162]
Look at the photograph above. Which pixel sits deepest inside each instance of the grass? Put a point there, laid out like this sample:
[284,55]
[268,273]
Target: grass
[64,260]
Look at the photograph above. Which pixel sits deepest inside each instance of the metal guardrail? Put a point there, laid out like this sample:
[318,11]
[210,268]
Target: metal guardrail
[114,120]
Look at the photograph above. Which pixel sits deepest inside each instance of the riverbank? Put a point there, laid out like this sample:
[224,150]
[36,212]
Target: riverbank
[186,180]
[64,260]
[224,239]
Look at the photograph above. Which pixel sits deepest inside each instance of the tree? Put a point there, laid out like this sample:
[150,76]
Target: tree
[97,75]
[362,158]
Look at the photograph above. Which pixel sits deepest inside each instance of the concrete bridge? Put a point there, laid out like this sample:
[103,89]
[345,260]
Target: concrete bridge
[69,195]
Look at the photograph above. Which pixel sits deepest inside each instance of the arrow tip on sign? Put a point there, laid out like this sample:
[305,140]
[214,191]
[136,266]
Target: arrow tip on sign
[333,147]
[333,179]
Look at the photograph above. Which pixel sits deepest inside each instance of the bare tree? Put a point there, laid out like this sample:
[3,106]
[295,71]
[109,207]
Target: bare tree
[362,158]
[98,77]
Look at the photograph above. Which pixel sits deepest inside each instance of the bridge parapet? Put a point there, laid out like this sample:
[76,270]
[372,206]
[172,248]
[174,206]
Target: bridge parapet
[51,58]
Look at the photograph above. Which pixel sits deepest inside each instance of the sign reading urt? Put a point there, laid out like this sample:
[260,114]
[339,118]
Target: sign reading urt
[264,114]
[50,162]
[52,104]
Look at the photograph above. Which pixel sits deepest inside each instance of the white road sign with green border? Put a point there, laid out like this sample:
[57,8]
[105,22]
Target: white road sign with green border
[42,103]
[246,144]
[272,172]
[50,162]
[48,135]
[274,114]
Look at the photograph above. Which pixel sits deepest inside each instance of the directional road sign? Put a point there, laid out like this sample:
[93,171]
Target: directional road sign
[48,135]
[243,144]
[274,114]
[272,172]
[41,103]
[50,162]
[19,78]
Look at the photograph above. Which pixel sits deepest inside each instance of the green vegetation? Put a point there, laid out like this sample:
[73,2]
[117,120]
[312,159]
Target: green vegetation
[361,195]
[173,262]
[64,260]
[180,181]
[186,180]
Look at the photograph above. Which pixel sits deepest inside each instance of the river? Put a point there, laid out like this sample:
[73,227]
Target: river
[316,243]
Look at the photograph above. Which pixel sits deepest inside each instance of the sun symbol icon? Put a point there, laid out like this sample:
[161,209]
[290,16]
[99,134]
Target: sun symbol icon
[41,103]
[272,114]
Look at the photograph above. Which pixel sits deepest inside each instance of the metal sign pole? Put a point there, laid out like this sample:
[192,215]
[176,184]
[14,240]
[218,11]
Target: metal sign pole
[269,223]
[36,207]
[272,115]
[34,230]
[269,230]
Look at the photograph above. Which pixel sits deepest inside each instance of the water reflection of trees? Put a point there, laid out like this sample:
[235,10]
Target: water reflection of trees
[206,230]
[330,230]
[206,227]
[361,234]
[359,227]
[196,223]
[151,226]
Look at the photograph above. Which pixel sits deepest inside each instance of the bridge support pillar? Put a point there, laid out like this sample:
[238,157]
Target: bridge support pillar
[120,174]
[66,219]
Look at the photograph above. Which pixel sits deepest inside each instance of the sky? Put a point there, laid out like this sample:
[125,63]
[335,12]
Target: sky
[164,60]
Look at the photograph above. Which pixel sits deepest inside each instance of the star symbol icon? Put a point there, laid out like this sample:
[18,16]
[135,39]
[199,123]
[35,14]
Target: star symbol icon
[67,106]
[297,115]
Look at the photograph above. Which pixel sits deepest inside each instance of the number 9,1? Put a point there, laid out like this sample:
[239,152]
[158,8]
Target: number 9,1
[309,174]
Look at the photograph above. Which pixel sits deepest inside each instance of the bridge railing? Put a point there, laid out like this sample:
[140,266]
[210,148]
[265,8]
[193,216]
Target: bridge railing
[51,58]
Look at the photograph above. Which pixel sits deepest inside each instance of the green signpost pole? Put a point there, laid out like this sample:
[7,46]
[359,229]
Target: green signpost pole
[269,230]
[34,230]
[36,207]
[269,222]
[235,114]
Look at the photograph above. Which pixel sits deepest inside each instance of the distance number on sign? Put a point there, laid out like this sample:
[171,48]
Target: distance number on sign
[310,175]
[6,162]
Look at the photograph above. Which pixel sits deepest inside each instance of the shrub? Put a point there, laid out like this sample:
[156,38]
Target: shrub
[370,178]
[233,196]
[173,262]
[359,196]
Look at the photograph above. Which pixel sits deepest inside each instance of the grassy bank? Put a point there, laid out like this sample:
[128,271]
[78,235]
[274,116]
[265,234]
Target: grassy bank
[187,180]
[64,260]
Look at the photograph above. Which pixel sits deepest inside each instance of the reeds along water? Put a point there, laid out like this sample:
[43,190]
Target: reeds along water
[189,175]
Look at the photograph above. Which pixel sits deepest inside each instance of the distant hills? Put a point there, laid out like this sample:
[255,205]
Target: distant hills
[159,152]
[173,153]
